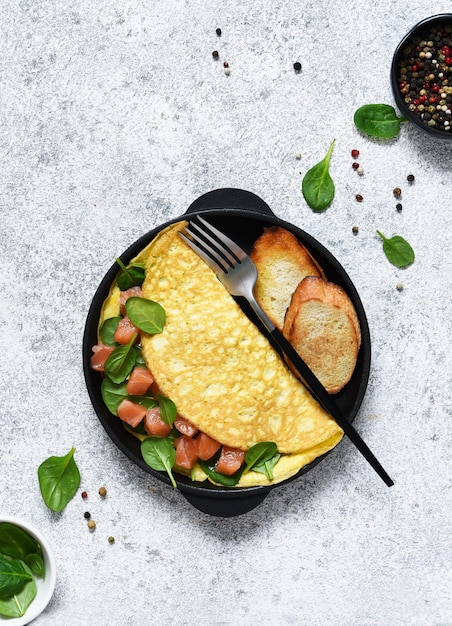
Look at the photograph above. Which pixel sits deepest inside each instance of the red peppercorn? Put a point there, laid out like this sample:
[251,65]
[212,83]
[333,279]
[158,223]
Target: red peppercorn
[415,67]
[433,99]
[359,197]
[355,153]
[435,88]
[422,99]
[448,60]
[355,165]
[84,495]
[402,84]
[446,51]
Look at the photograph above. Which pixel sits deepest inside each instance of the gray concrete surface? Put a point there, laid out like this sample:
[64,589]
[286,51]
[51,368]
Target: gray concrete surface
[114,117]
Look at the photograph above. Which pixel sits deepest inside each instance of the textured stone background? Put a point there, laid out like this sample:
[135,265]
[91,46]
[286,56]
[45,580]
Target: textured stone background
[114,117]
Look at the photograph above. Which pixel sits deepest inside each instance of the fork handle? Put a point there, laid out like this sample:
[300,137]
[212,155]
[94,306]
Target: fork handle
[319,392]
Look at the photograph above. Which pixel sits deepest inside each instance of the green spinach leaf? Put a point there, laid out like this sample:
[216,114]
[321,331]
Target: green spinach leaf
[36,563]
[259,454]
[113,394]
[15,542]
[59,479]
[398,251]
[267,467]
[168,411]
[318,186]
[108,329]
[13,576]
[16,605]
[121,361]
[159,453]
[131,276]
[378,120]
[147,315]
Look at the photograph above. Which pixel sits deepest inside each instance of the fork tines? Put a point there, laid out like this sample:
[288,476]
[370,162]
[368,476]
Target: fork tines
[211,244]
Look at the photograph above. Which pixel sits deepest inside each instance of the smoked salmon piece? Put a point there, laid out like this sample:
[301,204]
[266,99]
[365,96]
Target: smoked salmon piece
[100,355]
[131,412]
[185,427]
[139,382]
[206,446]
[154,425]
[125,330]
[230,460]
[186,451]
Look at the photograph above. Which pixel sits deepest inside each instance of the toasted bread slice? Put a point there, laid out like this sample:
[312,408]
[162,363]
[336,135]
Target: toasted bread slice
[322,325]
[282,262]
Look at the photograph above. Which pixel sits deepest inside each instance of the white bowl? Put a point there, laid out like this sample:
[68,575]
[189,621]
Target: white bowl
[45,587]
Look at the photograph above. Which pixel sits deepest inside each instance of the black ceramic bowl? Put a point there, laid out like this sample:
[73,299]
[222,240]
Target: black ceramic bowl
[243,216]
[409,54]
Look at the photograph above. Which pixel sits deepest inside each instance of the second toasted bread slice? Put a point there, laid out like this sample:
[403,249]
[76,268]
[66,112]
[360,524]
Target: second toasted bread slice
[282,262]
[322,325]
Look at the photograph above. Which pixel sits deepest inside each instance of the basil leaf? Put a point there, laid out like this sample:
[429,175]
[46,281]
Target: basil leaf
[13,576]
[59,479]
[15,542]
[131,276]
[121,361]
[318,186]
[147,315]
[260,453]
[159,453]
[16,605]
[398,251]
[108,329]
[113,394]
[378,120]
[267,467]
[36,563]
[168,411]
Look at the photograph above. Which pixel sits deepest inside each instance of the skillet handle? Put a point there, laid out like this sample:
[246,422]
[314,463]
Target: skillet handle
[230,198]
[226,503]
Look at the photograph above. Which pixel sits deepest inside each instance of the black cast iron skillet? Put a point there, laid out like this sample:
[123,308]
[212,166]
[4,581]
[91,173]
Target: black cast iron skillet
[243,216]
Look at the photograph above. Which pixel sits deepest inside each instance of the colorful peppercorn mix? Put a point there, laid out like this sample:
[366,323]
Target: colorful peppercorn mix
[425,77]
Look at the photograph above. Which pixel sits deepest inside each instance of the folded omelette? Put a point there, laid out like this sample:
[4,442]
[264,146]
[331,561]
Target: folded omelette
[219,370]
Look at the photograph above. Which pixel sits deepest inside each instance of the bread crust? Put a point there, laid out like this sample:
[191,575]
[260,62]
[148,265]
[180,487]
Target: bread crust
[322,325]
[282,263]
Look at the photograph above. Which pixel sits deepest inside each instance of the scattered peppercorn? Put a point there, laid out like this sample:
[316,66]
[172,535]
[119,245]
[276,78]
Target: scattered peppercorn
[397,192]
[225,64]
[399,207]
[298,155]
[355,154]
[111,539]
[360,171]
[355,165]
[355,230]
[399,287]
[102,492]
[359,197]
[297,66]
[84,495]
[91,524]
[87,515]
[218,31]
[215,54]
[227,71]
[410,178]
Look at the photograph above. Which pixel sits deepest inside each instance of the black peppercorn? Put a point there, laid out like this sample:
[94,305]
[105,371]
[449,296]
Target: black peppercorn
[297,66]
[215,54]
[410,178]
[399,207]
[218,31]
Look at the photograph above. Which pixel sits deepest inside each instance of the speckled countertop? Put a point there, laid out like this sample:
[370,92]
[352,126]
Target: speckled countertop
[114,118]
